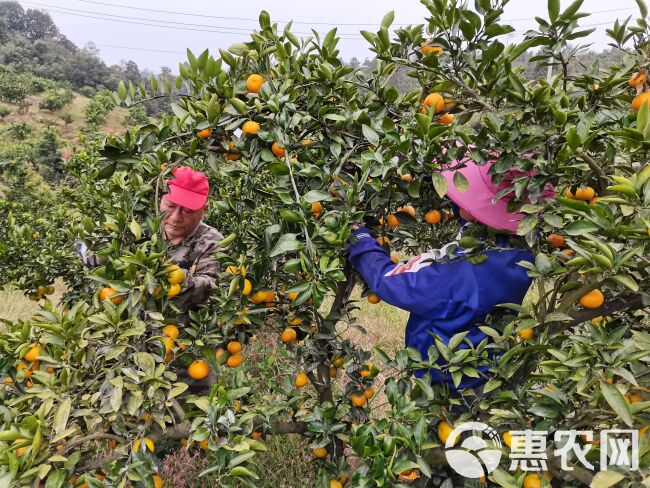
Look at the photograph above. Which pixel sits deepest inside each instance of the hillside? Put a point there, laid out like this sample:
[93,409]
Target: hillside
[68,121]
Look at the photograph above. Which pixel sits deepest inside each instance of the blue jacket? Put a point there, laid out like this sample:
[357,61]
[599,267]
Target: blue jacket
[445,296]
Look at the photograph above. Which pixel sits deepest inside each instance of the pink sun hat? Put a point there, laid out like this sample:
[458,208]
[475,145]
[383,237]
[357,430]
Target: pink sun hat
[479,199]
[189,188]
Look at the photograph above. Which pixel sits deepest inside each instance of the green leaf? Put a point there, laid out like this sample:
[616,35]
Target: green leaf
[617,402]
[315,196]
[439,184]
[414,189]
[62,414]
[135,229]
[627,281]
[286,243]
[460,182]
[242,472]
[605,479]
[388,19]
[643,9]
[527,224]
[580,227]
[121,90]
[370,134]
[503,478]
[265,20]
[553,9]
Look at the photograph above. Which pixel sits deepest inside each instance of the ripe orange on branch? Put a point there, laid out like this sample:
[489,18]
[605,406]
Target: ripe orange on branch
[278,150]
[358,400]
[33,353]
[407,209]
[556,240]
[638,101]
[204,134]
[254,82]
[637,79]
[171,331]
[250,127]
[392,220]
[301,380]
[434,100]
[288,335]
[593,299]
[233,347]
[198,370]
[432,217]
[446,119]
[234,360]
[106,293]
[176,275]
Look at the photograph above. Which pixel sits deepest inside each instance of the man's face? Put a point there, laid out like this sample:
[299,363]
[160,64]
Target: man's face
[179,221]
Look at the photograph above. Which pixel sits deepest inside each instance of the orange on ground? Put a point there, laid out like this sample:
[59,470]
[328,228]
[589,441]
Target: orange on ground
[593,299]
[374,299]
[250,127]
[235,360]
[288,335]
[639,99]
[106,293]
[392,221]
[278,150]
[301,380]
[33,353]
[527,334]
[319,452]
[254,82]
[204,134]
[434,100]
[432,217]
[358,400]
[556,240]
[233,347]
[198,370]
[444,429]
[171,331]
[446,119]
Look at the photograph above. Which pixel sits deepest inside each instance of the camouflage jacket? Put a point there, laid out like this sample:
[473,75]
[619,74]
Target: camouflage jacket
[194,255]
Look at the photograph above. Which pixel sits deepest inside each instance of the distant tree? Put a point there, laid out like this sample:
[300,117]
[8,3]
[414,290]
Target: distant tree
[137,115]
[47,156]
[131,71]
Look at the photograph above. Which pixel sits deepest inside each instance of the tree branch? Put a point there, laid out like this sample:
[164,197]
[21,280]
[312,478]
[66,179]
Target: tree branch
[595,167]
[98,435]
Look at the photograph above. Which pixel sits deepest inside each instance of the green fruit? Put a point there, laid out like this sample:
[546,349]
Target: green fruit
[468,241]
[290,216]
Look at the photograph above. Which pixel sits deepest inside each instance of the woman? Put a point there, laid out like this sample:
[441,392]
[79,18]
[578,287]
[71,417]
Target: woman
[445,295]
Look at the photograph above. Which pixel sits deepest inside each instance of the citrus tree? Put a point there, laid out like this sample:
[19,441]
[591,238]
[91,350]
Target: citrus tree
[298,147]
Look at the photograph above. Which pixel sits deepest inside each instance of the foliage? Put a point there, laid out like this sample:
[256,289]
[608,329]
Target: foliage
[56,99]
[98,107]
[349,139]
[19,130]
[137,115]
[47,156]
[4,111]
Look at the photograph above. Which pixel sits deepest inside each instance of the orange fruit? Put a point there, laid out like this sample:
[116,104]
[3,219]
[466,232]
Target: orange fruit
[294,321]
[288,335]
[334,372]
[643,430]
[446,119]
[556,240]
[444,430]
[33,353]
[292,296]
[637,79]
[270,296]
[301,380]
[233,347]
[527,334]
[507,439]
[258,297]
[584,193]
[374,299]
[106,293]
[358,400]
[568,252]
[319,452]
[173,290]
[204,444]
[171,331]
[432,217]
[383,240]
[204,134]
[639,99]
[256,436]
[406,177]
[335,484]
[176,275]
[337,362]
[219,354]
[633,398]
[250,127]
[434,99]
[157,481]
[392,221]
[199,369]
[394,258]
[248,287]
[410,475]
[369,393]
[278,150]
[407,209]
[234,360]
[534,480]
[232,156]
[254,82]
[593,299]
[316,209]
[169,344]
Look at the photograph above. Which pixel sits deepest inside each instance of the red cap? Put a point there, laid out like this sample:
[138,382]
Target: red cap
[189,189]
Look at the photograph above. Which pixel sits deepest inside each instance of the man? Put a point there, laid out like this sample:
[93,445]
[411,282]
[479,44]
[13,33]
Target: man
[190,242]
[447,296]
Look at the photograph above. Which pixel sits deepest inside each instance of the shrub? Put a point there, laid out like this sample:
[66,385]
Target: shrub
[87,91]
[137,115]
[47,155]
[56,99]
[4,110]
[19,130]
[67,118]
[98,108]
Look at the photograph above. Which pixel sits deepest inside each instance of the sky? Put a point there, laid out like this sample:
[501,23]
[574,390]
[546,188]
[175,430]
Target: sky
[119,28]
